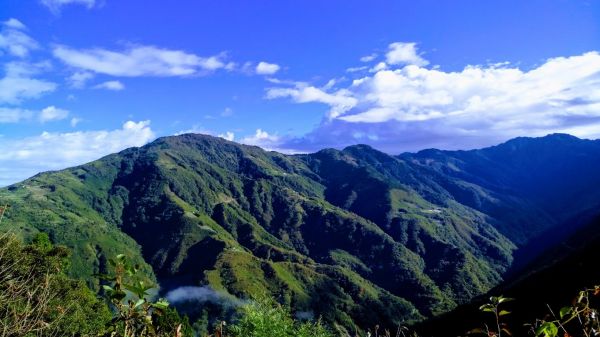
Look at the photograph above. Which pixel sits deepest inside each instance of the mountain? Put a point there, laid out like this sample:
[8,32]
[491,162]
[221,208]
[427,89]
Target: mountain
[552,280]
[354,235]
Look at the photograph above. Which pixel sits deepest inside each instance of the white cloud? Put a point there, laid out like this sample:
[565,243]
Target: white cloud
[491,95]
[263,139]
[14,23]
[340,101]
[56,5]
[404,53]
[111,85]
[230,136]
[264,68]
[53,113]
[139,61]
[378,67]
[14,115]
[14,40]
[408,107]
[75,121]
[79,79]
[368,58]
[25,157]
[356,69]
[227,112]
[18,84]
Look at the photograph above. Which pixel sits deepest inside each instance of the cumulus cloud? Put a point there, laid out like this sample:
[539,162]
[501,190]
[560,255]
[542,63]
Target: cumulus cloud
[53,113]
[56,5]
[264,68]
[18,83]
[409,106]
[230,136]
[22,158]
[110,85]
[263,139]
[14,40]
[139,61]
[404,53]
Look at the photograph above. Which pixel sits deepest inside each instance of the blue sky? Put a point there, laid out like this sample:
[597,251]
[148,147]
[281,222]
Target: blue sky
[84,78]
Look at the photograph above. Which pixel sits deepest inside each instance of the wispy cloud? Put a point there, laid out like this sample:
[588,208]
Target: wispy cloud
[56,5]
[14,40]
[79,79]
[227,112]
[14,115]
[22,158]
[110,85]
[368,58]
[18,83]
[139,61]
[340,101]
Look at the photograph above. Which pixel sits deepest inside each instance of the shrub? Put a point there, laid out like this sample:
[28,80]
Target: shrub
[37,298]
[266,318]
[135,313]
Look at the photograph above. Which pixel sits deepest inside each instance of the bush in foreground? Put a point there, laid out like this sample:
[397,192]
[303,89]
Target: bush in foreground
[38,299]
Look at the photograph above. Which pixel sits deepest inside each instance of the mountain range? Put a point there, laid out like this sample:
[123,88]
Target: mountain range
[356,236]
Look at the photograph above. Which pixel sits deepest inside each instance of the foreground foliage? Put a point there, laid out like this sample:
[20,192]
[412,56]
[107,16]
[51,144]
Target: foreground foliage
[135,313]
[38,299]
[265,317]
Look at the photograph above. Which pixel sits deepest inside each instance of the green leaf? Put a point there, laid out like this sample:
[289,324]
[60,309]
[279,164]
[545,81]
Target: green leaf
[503,312]
[486,307]
[139,302]
[548,329]
[565,311]
[161,304]
[505,299]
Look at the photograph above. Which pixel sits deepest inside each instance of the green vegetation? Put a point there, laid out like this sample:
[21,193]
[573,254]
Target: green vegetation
[355,236]
[266,318]
[37,299]
[135,314]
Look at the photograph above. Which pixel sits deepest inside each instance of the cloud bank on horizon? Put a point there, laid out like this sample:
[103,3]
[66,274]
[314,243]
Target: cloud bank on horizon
[395,97]
[402,104]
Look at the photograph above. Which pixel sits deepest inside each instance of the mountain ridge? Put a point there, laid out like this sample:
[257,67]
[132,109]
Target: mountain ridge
[392,238]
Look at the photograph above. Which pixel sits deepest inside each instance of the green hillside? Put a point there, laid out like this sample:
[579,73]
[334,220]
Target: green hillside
[356,236]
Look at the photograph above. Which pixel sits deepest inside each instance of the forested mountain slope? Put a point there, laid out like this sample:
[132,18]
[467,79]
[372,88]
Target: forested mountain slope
[356,235]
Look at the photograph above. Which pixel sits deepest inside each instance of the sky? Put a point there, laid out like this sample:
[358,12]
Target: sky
[80,79]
